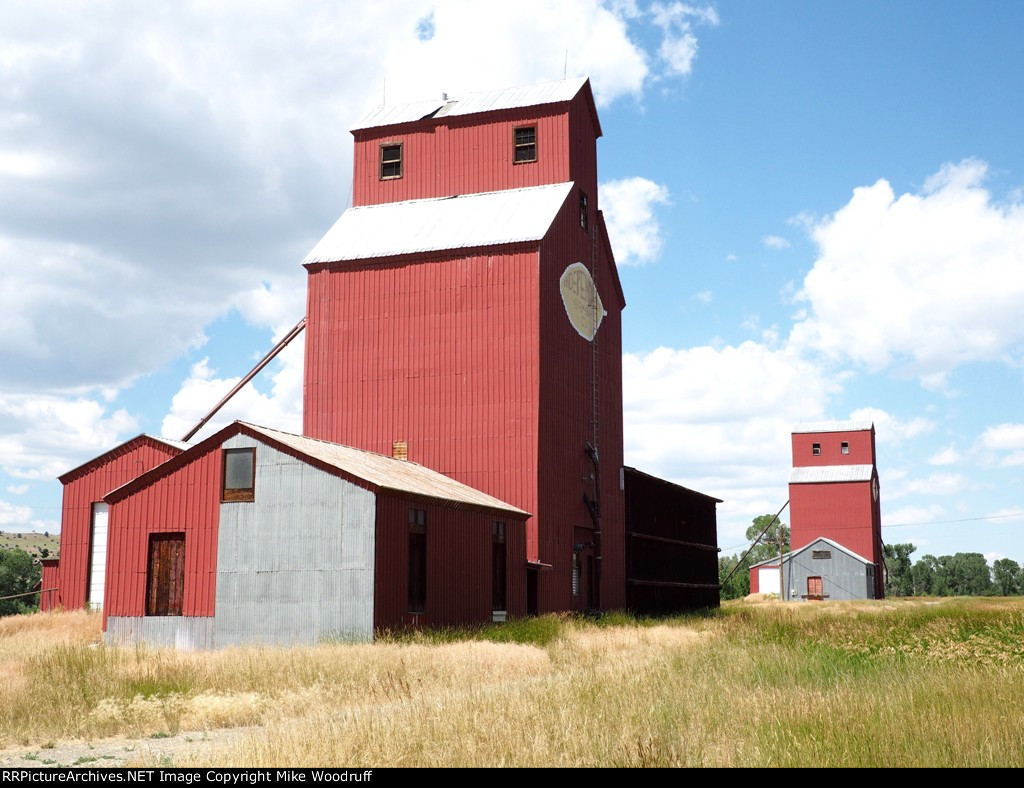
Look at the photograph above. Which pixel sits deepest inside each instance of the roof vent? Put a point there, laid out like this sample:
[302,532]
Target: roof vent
[400,450]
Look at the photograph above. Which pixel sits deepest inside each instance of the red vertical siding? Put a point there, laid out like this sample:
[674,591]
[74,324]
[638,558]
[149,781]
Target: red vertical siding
[843,512]
[187,500]
[862,448]
[83,488]
[566,414]
[470,358]
[48,600]
[458,565]
[462,155]
[441,354]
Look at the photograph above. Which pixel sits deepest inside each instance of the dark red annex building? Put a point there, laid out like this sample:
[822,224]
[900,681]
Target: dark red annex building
[834,497]
[464,315]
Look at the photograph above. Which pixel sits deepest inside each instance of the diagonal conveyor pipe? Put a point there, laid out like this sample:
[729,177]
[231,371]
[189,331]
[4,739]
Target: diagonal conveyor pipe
[252,373]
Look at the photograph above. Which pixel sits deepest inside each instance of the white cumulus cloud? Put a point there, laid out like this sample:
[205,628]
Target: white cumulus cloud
[633,228]
[921,282]
[679,43]
[775,242]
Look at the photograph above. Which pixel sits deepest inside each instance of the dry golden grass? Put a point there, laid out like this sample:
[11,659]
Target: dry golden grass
[893,683]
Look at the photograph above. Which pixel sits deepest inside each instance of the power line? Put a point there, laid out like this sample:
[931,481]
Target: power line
[945,522]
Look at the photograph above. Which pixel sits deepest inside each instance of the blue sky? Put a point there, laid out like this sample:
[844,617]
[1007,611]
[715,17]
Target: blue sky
[817,209]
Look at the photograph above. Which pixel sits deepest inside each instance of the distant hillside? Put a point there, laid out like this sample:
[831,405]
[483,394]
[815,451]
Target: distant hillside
[31,542]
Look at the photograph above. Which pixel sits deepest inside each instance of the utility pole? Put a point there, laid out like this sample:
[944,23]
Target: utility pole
[782,574]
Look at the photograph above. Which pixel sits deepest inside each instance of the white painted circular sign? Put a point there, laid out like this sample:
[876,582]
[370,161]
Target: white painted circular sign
[582,301]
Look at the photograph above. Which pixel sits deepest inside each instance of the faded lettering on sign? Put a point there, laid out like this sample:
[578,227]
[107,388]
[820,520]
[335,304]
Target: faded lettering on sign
[582,301]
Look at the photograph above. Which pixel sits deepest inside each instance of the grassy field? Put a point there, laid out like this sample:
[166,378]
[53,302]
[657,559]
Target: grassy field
[31,542]
[894,683]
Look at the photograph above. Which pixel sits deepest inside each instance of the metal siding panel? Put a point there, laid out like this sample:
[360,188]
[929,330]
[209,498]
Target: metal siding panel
[185,500]
[296,565]
[184,633]
[462,155]
[861,444]
[844,577]
[131,460]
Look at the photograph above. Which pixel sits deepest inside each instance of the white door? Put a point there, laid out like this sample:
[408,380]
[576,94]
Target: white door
[97,556]
[768,581]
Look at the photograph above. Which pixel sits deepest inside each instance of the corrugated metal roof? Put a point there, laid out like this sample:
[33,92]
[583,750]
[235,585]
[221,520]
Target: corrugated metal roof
[483,101]
[386,472]
[815,474]
[774,560]
[487,219]
[833,426]
[171,442]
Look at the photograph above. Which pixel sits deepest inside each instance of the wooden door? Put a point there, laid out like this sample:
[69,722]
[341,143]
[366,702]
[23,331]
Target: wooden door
[165,575]
[815,587]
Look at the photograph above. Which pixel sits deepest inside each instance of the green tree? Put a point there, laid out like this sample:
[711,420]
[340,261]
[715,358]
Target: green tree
[18,574]
[898,573]
[739,584]
[1007,577]
[768,547]
[923,576]
[969,574]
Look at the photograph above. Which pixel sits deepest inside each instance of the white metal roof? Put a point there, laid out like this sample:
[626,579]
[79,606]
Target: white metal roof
[386,472]
[483,101]
[486,219]
[833,426]
[786,556]
[816,474]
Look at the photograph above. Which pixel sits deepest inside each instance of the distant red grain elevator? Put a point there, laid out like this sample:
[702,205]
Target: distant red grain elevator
[453,310]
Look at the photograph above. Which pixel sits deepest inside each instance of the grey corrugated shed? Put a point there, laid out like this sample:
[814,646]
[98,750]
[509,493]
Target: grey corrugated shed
[486,219]
[774,561]
[834,426]
[386,472]
[483,101]
[817,474]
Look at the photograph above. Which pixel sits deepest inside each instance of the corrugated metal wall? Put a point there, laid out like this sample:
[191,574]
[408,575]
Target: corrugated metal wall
[472,359]
[458,565]
[440,353]
[184,633]
[660,513]
[843,576]
[861,445]
[843,512]
[566,413]
[186,500]
[48,600]
[296,565]
[81,491]
[462,155]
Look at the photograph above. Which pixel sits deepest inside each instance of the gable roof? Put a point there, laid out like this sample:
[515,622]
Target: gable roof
[472,103]
[810,545]
[819,474]
[172,447]
[366,468]
[834,426]
[439,223]
[628,470]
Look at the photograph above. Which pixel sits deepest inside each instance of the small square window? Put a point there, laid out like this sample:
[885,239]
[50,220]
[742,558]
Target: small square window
[844,447]
[391,161]
[525,144]
[584,211]
[816,449]
[239,475]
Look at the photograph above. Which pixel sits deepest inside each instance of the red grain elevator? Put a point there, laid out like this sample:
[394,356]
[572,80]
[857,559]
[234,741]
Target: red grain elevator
[467,309]
[834,490]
